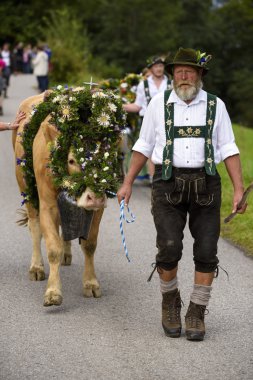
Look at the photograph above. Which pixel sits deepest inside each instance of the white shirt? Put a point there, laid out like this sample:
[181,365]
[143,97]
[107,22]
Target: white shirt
[40,64]
[6,57]
[188,152]
[141,99]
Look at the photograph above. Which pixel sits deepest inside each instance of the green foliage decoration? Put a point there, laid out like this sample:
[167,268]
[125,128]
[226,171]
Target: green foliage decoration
[90,126]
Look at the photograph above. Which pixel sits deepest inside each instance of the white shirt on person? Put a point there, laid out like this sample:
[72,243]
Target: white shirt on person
[141,99]
[188,152]
[40,64]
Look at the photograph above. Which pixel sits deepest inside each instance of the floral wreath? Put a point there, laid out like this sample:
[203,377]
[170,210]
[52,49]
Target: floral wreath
[90,125]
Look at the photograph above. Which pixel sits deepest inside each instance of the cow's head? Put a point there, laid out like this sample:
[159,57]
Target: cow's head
[88,199]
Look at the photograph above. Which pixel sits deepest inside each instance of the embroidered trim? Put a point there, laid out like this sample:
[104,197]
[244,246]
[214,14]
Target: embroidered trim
[188,131]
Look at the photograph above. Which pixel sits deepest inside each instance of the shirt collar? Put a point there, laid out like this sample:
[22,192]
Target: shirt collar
[201,97]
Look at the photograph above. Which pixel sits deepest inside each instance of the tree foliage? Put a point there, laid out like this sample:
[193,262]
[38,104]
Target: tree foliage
[115,37]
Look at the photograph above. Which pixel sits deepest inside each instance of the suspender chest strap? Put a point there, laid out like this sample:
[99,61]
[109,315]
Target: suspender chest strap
[146,89]
[204,131]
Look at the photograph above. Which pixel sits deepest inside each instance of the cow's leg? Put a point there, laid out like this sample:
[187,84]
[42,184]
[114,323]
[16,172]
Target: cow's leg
[49,219]
[67,255]
[36,271]
[91,286]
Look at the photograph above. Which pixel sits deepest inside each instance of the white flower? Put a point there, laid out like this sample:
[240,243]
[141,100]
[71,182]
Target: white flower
[56,99]
[99,94]
[106,155]
[80,149]
[59,87]
[124,85]
[104,120]
[81,159]
[106,168]
[114,175]
[95,175]
[112,107]
[81,137]
[103,181]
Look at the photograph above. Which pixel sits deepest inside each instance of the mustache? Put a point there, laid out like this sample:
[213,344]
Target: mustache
[179,84]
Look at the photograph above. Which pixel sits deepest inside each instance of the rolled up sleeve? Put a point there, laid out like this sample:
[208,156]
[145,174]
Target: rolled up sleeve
[226,139]
[146,141]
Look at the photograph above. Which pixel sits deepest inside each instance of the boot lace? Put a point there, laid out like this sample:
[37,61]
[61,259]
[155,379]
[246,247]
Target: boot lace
[174,309]
[195,316]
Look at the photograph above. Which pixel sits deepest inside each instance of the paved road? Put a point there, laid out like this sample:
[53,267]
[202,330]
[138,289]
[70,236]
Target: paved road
[118,336]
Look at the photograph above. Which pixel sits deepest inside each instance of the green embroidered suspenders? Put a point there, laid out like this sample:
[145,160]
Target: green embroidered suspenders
[204,131]
[146,89]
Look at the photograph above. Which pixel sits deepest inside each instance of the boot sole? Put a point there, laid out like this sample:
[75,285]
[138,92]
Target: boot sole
[194,336]
[176,333]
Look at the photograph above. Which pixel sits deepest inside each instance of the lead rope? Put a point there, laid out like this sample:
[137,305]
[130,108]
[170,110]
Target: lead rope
[121,218]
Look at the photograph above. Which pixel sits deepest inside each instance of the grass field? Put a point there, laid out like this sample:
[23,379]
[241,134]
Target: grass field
[240,229]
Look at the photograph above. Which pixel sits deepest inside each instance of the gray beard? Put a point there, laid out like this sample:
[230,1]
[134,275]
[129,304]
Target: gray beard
[190,93]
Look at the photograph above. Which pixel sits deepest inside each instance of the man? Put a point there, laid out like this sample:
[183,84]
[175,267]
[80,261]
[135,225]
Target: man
[186,132]
[155,82]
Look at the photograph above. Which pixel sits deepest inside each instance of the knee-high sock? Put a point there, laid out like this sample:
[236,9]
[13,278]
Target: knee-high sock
[168,286]
[201,294]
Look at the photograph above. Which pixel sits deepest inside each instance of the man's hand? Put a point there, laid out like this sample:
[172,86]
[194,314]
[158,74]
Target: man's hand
[238,206]
[124,193]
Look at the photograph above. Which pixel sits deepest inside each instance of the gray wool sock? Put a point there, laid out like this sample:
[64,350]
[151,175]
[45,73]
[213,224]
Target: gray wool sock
[201,294]
[168,286]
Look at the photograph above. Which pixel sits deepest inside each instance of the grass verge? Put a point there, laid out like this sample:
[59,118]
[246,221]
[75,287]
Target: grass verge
[239,230]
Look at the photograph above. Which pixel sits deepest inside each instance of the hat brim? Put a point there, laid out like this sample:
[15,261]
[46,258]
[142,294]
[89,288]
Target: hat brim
[155,63]
[169,66]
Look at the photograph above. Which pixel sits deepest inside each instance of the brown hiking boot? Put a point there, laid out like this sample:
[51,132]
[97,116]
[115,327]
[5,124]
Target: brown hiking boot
[171,308]
[194,321]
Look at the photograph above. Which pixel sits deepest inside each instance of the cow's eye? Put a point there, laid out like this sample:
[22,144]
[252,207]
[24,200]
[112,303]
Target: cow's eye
[71,162]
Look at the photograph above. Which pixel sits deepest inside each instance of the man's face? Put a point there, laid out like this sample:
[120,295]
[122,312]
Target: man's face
[186,81]
[157,70]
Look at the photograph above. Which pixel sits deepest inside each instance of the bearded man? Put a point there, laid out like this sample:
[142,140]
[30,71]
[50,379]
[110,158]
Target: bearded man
[186,132]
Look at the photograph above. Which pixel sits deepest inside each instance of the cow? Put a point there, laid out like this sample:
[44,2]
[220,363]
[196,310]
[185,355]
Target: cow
[45,222]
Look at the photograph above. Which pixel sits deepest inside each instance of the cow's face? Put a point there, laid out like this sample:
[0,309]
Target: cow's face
[88,199]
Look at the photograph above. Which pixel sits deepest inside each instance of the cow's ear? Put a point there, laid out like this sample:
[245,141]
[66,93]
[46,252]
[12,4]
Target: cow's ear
[49,130]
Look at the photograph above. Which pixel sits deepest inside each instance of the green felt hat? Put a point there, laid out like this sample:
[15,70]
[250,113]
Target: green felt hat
[189,57]
[154,60]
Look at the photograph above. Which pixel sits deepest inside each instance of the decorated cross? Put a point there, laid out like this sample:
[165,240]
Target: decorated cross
[91,83]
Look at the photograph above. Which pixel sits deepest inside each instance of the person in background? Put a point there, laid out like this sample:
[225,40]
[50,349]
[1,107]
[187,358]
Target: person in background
[40,68]
[6,57]
[14,125]
[155,82]
[2,84]
[187,131]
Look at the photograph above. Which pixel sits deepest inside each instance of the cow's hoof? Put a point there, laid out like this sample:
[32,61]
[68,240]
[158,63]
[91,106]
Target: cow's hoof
[52,298]
[91,289]
[67,259]
[37,274]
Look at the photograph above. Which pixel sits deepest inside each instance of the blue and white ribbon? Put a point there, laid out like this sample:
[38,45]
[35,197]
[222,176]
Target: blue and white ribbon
[121,218]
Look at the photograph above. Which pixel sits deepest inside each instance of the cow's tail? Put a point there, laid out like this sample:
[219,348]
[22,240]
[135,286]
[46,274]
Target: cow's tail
[23,221]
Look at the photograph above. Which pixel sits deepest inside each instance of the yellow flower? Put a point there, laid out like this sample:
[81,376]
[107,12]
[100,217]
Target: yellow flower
[66,183]
[181,131]
[167,161]
[197,131]
[189,130]
[66,112]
